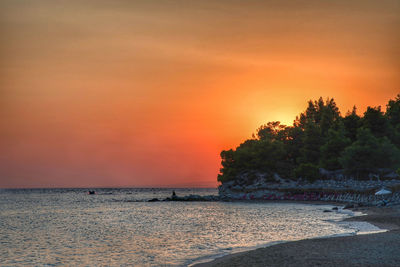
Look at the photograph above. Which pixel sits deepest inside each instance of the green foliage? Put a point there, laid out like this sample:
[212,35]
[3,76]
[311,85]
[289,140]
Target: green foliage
[351,123]
[294,143]
[369,153]
[319,138]
[393,111]
[324,114]
[312,142]
[375,120]
[333,148]
[271,131]
[228,171]
[393,116]
[307,171]
[252,155]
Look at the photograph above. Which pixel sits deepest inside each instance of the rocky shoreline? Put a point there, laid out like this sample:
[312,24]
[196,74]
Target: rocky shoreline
[188,198]
[361,192]
[352,192]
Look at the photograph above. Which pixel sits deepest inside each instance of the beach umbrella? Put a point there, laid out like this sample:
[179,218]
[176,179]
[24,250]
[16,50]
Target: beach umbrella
[383,192]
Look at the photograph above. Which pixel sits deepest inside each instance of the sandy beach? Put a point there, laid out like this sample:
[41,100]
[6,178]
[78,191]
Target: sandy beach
[380,249]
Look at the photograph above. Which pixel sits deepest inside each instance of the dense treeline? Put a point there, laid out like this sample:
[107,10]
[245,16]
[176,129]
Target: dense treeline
[320,138]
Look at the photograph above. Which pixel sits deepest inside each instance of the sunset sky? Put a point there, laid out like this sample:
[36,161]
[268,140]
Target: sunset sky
[147,93]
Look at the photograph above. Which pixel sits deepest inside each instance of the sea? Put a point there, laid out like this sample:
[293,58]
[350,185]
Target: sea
[118,227]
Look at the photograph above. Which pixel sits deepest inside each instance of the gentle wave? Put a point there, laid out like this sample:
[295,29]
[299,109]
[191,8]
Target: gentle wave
[70,227]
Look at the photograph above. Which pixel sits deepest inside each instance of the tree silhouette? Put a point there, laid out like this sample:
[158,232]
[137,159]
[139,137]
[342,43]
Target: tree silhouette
[320,138]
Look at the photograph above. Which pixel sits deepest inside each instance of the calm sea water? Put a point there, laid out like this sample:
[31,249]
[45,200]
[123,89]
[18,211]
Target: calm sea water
[116,227]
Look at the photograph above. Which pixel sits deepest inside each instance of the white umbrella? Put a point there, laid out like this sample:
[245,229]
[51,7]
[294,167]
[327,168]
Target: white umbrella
[383,192]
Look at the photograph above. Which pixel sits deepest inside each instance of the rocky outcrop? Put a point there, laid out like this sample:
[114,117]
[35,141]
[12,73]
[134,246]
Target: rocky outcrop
[382,173]
[187,198]
[337,188]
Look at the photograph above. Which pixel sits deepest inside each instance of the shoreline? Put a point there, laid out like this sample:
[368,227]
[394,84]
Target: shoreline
[370,249]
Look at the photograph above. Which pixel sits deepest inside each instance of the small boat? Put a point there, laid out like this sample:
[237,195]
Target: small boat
[91,192]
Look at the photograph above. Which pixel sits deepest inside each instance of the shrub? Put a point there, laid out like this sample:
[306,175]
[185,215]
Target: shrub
[307,171]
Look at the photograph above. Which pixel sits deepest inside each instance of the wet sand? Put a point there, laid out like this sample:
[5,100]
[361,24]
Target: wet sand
[381,249]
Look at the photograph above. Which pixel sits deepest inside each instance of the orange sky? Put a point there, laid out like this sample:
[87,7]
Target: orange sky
[147,93]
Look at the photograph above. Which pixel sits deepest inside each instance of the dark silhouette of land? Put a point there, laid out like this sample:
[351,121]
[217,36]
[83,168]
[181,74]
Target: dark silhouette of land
[358,146]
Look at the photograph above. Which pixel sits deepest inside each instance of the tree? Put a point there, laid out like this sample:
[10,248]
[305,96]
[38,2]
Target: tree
[330,116]
[251,156]
[294,143]
[228,171]
[312,142]
[324,114]
[393,116]
[351,124]
[393,111]
[375,120]
[333,148]
[320,137]
[270,131]
[307,171]
[368,154]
